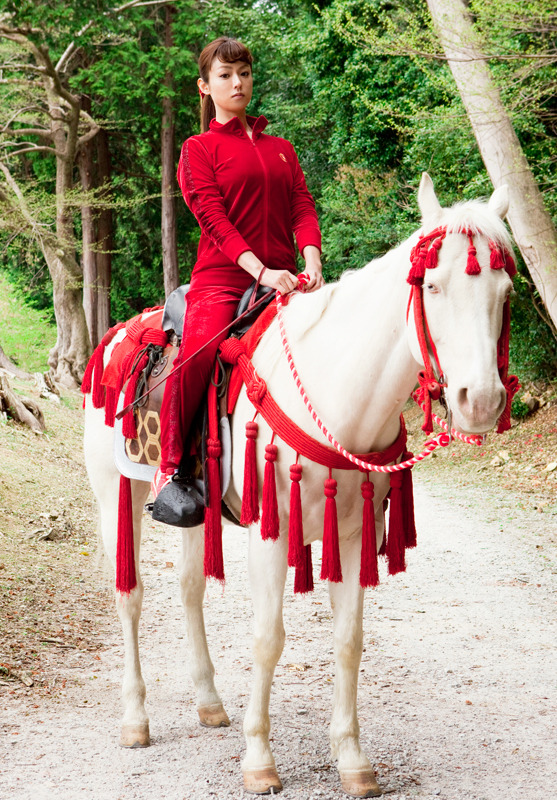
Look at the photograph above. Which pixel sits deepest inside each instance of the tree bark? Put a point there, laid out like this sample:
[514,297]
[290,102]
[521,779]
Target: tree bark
[89,238]
[7,364]
[20,408]
[104,236]
[504,159]
[168,169]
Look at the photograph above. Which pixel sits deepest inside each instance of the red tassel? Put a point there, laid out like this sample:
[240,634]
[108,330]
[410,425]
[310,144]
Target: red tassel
[86,383]
[472,265]
[510,266]
[213,560]
[125,557]
[512,386]
[417,271]
[110,406]
[269,504]
[250,496]
[129,427]
[432,254]
[369,572]
[396,538]
[295,524]
[496,257]
[383,549]
[330,566]
[410,537]
[303,577]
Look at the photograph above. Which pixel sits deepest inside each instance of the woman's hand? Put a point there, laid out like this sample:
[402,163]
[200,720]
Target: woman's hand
[281,280]
[313,268]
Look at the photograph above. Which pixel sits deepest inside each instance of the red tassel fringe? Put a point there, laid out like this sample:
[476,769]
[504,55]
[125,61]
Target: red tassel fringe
[330,565]
[407,497]
[269,503]
[295,524]
[303,577]
[396,538]
[250,495]
[369,572]
[213,558]
[125,557]
[111,401]
[472,265]
[496,260]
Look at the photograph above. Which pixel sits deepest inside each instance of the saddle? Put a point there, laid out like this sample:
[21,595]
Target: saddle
[138,366]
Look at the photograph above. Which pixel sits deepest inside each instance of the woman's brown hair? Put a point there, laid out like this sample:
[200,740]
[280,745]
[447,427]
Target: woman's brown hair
[224,49]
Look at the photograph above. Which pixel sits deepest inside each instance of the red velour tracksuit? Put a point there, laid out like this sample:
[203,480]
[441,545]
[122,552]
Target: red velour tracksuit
[246,194]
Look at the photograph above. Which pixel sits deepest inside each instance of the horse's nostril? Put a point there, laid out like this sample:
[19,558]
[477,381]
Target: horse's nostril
[462,397]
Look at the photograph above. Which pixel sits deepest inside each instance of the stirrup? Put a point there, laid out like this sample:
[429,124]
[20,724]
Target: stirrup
[180,503]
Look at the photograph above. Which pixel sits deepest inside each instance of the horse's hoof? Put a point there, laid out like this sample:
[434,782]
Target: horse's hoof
[262,781]
[213,716]
[135,735]
[359,783]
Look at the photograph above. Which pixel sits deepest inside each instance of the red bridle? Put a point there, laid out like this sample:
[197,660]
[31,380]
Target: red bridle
[424,255]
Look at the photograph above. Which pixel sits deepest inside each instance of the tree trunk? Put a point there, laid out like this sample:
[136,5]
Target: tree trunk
[500,149]
[168,170]
[69,356]
[89,238]
[104,236]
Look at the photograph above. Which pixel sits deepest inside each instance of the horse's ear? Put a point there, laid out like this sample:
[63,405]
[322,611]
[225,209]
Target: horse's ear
[499,201]
[427,199]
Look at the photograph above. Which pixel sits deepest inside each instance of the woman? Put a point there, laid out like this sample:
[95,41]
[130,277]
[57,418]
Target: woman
[248,193]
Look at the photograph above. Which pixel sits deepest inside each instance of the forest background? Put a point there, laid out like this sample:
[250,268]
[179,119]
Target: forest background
[90,214]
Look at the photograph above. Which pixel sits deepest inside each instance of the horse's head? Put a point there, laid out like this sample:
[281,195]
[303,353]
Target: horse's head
[461,267]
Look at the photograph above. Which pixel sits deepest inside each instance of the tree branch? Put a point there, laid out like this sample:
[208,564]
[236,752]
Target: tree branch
[36,148]
[44,132]
[68,52]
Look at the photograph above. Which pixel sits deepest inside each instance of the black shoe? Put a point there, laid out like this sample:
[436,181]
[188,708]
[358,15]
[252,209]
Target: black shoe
[179,503]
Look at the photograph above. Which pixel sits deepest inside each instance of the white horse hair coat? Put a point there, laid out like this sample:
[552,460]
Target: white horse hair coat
[359,358]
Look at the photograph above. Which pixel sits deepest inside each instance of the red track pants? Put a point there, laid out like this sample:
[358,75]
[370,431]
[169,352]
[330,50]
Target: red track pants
[208,311]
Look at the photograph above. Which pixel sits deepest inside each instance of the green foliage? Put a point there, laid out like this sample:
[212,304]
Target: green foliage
[357,86]
[27,335]
[519,410]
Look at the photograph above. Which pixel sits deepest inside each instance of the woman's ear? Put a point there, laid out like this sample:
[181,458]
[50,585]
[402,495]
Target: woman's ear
[202,86]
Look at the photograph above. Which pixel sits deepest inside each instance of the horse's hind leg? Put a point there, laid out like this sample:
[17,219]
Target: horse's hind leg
[356,773]
[192,584]
[267,573]
[105,482]
[135,723]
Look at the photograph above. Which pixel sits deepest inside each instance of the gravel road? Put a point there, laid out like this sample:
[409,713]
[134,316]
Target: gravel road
[457,691]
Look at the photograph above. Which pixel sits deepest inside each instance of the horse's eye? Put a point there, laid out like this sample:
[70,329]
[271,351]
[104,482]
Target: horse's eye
[432,288]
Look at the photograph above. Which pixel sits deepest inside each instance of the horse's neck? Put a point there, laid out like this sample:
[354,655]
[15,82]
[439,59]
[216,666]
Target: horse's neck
[351,353]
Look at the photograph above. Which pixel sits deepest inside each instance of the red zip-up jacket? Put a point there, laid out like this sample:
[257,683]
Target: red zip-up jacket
[246,194]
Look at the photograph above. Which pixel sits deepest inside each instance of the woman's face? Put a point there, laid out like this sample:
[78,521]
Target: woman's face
[230,86]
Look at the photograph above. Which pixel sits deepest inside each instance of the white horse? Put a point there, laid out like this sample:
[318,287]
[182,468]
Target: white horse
[357,353]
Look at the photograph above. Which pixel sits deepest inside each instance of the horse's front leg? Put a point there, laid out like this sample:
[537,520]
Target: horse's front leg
[192,584]
[267,573]
[356,773]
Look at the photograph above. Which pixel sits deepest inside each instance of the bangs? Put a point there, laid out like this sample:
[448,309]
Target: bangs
[231,50]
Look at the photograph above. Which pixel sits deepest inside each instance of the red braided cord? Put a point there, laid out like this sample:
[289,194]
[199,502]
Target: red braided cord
[442,440]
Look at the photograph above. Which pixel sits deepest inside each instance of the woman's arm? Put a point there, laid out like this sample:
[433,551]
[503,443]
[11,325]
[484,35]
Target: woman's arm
[312,256]
[201,193]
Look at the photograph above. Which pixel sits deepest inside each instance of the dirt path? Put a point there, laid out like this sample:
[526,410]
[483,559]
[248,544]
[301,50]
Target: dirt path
[457,691]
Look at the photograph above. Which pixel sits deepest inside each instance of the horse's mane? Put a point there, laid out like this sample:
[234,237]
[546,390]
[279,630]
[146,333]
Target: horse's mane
[470,215]
[475,216]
